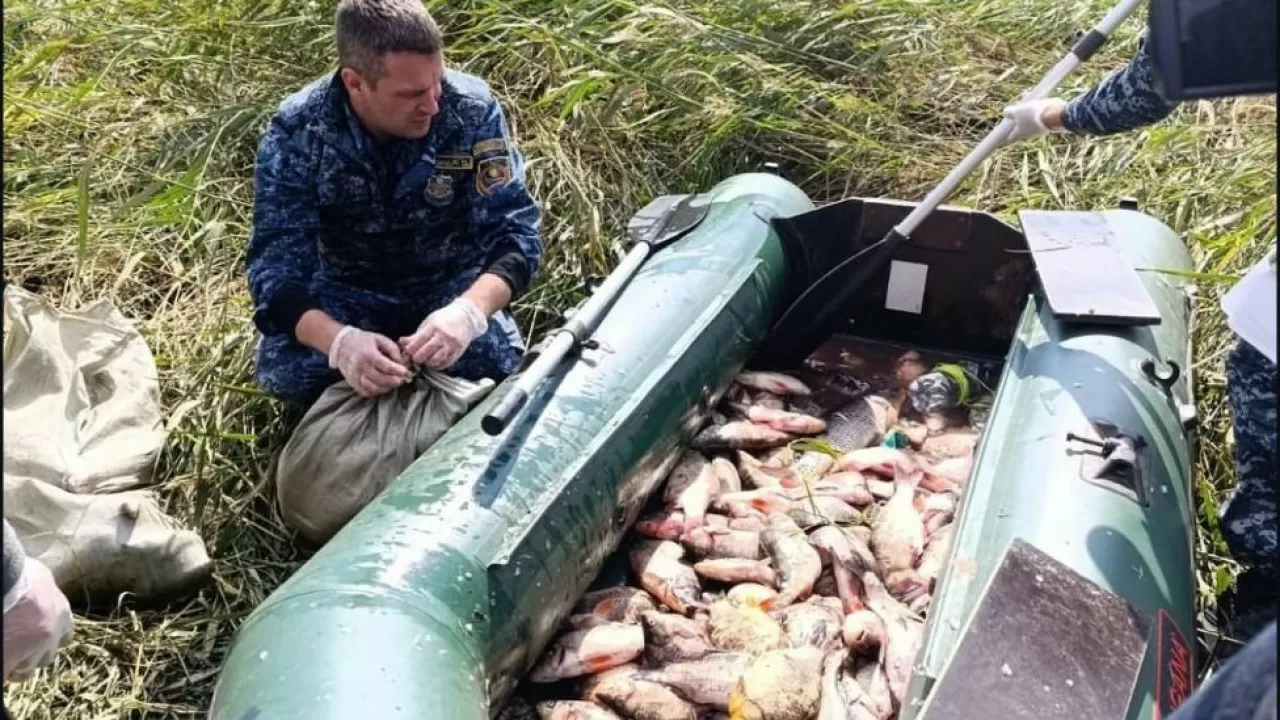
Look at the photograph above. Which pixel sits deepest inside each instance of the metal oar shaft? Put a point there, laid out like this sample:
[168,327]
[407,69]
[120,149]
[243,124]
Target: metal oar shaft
[569,336]
[1082,50]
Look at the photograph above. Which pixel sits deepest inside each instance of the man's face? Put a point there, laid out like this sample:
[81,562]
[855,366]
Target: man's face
[405,99]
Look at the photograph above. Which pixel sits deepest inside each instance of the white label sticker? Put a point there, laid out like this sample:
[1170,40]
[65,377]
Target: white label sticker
[906,287]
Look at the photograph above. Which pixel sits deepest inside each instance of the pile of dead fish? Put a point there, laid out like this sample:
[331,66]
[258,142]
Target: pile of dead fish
[785,579]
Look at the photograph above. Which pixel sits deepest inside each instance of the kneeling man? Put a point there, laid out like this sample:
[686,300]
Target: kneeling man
[391,230]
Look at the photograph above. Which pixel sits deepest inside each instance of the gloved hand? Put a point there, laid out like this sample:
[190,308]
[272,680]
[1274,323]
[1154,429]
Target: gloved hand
[445,334]
[37,621]
[1028,118]
[369,362]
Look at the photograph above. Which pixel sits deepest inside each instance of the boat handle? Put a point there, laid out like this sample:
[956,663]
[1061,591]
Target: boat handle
[1163,379]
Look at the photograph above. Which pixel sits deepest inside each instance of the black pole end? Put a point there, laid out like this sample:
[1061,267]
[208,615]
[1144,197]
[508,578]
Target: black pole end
[497,419]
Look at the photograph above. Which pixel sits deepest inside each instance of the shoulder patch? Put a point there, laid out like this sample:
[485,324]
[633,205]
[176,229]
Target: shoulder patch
[492,174]
[454,162]
[488,146]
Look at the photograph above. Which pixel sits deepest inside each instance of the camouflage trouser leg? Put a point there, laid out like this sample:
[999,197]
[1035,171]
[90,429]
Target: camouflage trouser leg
[1249,516]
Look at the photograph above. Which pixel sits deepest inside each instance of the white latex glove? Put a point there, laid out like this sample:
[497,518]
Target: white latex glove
[37,621]
[1028,118]
[369,362]
[445,334]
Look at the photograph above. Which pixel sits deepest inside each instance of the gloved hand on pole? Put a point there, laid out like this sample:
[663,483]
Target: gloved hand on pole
[1034,118]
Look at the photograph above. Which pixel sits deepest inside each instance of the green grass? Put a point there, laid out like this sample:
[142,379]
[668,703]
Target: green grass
[131,126]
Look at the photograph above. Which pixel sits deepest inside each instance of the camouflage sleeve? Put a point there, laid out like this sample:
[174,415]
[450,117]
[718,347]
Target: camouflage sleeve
[283,251]
[1126,100]
[502,209]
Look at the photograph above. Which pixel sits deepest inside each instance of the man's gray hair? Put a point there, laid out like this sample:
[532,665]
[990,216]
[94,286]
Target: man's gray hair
[368,29]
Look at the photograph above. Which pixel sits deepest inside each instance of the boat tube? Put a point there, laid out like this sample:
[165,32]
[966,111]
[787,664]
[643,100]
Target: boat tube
[436,599]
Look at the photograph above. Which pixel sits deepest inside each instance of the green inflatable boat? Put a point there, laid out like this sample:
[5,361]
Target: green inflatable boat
[1071,568]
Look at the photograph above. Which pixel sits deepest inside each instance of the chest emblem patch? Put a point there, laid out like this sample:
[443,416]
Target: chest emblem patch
[439,189]
[492,174]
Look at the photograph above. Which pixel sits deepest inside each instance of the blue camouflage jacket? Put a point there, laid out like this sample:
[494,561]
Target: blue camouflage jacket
[379,236]
[1127,99]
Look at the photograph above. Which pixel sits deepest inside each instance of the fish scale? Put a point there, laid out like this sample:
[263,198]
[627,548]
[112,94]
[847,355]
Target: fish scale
[857,424]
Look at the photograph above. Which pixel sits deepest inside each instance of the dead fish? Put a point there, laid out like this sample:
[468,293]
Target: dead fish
[826,584]
[639,700]
[593,650]
[672,638]
[709,544]
[849,486]
[739,435]
[908,366]
[766,399]
[744,628]
[591,684]
[880,489]
[669,581]
[662,525]
[778,457]
[623,608]
[588,602]
[903,636]
[953,443]
[785,421]
[863,631]
[756,475]
[935,554]
[583,621]
[949,474]
[742,511]
[897,539]
[706,681]
[920,604]
[846,565]
[863,534]
[937,510]
[809,467]
[887,462]
[730,481]
[750,523]
[691,487]
[860,423]
[797,563]
[573,710]
[779,685]
[773,382]
[810,511]
[750,594]
[915,432]
[832,705]
[737,394]
[816,622]
[875,696]
[748,496]
[737,570]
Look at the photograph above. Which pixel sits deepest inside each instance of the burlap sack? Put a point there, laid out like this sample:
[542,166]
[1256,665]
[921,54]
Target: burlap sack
[346,449]
[82,420]
[81,396]
[101,545]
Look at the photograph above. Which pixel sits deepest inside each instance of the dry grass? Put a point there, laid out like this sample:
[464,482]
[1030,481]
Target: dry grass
[130,130]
